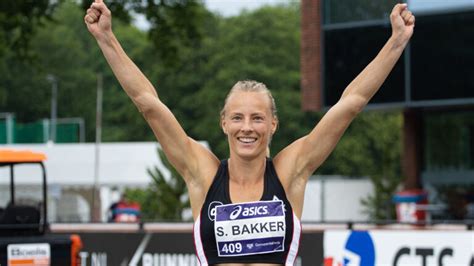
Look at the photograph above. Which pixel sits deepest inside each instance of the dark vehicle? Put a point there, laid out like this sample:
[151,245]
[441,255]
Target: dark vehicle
[24,237]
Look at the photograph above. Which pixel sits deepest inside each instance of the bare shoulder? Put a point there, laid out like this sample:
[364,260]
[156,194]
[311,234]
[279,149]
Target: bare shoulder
[204,165]
[290,163]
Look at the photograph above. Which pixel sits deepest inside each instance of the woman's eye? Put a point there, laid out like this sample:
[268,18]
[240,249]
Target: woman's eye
[258,118]
[236,118]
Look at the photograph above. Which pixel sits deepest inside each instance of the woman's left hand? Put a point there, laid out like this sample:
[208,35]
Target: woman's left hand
[403,22]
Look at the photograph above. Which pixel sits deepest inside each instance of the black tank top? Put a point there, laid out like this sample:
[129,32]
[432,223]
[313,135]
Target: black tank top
[266,231]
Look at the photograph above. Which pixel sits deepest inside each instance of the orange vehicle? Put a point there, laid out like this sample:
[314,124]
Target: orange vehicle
[24,237]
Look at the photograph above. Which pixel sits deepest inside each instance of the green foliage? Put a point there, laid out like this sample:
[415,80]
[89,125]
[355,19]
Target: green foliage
[65,49]
[383,151]
[371,147]
[19,21]
[165,198]
[60,52]
[174,24]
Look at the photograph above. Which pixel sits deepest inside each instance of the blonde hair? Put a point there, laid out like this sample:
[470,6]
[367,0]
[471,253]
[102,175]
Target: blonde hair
[251,86]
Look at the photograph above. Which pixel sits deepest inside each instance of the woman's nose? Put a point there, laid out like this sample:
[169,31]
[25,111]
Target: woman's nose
[247,125]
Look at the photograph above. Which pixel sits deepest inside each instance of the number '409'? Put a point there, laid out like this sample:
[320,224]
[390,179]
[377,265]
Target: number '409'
[232,248]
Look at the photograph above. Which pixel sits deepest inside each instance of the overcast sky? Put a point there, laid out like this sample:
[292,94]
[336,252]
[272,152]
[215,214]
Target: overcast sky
[233,7]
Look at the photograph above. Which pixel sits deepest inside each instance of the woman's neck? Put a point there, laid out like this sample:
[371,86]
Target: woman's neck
[246,172]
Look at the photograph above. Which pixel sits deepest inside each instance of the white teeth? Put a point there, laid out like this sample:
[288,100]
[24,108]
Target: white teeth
[247,140]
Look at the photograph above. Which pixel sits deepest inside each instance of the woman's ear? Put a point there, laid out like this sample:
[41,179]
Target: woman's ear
[274,125]
[223,125]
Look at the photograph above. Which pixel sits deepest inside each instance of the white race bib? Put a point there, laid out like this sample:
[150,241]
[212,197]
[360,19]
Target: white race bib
[250,228]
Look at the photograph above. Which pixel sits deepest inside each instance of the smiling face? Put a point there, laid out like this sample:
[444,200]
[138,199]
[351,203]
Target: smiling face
[248,122]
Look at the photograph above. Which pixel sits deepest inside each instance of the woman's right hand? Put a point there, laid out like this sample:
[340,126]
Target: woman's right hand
[98,19]
[403,23]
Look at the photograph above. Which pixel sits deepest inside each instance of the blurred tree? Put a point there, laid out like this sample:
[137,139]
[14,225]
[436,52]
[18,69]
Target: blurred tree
[19,20]
[165,198]
[173,23]
[371,147]
[75,62]
[382,133]
[29,96]
[172,55]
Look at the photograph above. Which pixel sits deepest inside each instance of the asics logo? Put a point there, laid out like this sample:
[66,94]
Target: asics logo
[248,211]
[235,213]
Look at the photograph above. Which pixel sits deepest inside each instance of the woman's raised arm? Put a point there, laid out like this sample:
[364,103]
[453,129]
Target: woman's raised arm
[190,159]
[301,158]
